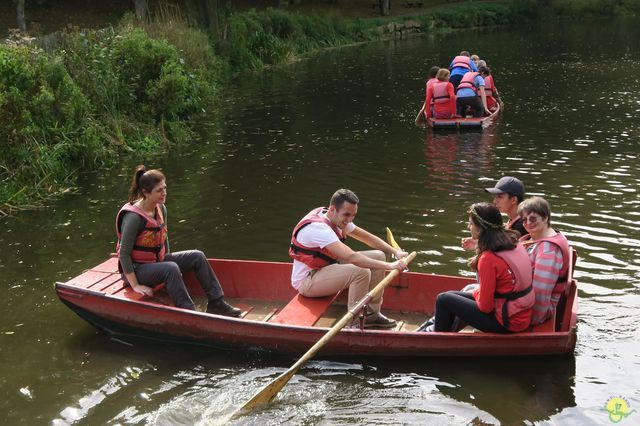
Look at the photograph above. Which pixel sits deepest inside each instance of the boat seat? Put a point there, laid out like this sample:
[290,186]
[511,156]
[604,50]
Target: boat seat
[304,311]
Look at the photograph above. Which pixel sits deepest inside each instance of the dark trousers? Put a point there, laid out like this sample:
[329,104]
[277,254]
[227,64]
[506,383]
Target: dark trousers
[472,101]
[455,80]
[452,304]
[170,271]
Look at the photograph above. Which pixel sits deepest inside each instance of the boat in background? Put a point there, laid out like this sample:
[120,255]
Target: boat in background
[275,318]
[464,122]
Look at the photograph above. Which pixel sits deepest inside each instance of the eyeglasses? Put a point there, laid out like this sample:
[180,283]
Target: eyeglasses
[531,219]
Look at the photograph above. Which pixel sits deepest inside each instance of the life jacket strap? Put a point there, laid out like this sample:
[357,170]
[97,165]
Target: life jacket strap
[152,249]
[297,249]
[513,295]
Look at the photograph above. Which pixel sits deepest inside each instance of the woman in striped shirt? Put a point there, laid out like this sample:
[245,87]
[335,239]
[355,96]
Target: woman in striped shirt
[549,254]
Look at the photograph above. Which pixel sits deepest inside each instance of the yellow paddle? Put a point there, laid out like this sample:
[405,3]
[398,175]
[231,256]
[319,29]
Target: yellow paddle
[391,240]
[271,390]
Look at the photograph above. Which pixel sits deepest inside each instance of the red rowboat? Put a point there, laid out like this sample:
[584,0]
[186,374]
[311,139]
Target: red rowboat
[276,319]
[464,122]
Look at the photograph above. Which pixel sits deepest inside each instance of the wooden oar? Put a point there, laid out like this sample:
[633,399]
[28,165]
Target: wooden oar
[271,390]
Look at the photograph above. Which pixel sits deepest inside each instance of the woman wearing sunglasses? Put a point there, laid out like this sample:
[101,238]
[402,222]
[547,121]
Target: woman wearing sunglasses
[549,254]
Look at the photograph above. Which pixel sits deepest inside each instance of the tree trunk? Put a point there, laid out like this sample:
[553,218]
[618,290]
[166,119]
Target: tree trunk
[142,9]
[385,5]
[22,22]
[213,20]
[205,14]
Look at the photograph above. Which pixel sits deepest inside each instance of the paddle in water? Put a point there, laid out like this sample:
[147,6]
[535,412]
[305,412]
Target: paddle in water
[271,390]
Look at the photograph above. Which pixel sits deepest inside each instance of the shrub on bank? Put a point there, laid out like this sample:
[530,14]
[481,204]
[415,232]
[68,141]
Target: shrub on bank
[270,37]
[96,94]
[142,87]
[47,132]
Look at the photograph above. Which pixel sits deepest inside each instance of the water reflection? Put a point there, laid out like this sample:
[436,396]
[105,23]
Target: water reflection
[532,391]
[456,158]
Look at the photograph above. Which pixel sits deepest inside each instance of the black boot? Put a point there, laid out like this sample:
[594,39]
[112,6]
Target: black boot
[220,307]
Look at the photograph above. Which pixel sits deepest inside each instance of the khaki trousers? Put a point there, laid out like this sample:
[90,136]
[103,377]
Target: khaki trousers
[333,278]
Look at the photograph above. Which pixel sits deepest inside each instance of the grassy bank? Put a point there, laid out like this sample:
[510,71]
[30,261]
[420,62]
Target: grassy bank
[137,89]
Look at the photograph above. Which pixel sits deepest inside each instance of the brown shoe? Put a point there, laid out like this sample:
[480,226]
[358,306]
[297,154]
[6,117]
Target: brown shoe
[377,320]
[220,307]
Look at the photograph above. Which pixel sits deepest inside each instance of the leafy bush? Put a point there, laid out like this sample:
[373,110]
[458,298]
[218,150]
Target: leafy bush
[46,127]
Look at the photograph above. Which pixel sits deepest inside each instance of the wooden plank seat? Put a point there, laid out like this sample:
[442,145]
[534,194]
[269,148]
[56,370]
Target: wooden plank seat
[304,311]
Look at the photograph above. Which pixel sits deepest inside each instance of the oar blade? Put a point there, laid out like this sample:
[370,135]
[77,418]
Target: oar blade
[267,393]
[392,241]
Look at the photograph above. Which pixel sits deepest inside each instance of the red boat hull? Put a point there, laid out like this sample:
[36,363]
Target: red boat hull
[464,123]
[99,296]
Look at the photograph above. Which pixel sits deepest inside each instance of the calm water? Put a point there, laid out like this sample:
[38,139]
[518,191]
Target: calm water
[284,141]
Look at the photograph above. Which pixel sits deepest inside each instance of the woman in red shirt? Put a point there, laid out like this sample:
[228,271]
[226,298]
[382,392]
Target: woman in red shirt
[503,300]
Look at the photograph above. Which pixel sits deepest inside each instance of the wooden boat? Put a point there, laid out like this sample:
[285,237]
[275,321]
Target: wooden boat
[464,122]
[277,319]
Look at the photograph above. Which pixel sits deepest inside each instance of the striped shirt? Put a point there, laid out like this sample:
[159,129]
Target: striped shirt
[546,259]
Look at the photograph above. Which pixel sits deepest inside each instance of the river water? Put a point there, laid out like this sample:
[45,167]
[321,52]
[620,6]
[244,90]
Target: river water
[283,141]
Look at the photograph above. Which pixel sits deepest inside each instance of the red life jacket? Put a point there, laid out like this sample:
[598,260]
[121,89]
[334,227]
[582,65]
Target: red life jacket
[563,244]
[313,257]
[488,86]
[521,297]
[440,92]
[150,243]
[462,62]
[468,82]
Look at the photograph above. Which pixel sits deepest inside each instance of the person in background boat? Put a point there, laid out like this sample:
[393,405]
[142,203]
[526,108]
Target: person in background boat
[503,301]
[324,265]
[432,79]
[493,97]
[507,193]
[475,59]
[471,94]
[442,95]
[144,255]
[549,255]
[460,65]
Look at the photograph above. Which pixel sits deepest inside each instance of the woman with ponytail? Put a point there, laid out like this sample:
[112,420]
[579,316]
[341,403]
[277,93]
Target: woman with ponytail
[503,300]
[144,257]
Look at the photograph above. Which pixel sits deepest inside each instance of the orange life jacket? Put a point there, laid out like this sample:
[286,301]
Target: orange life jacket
[150,243]
[461,61]
[521,297]
[468,82]
[313,257]
[440,92]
